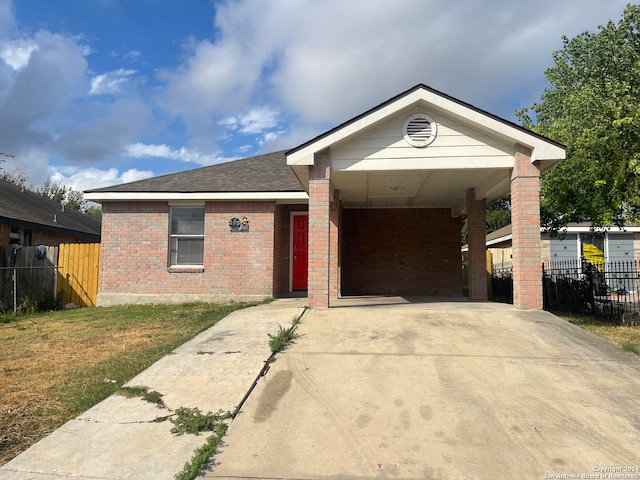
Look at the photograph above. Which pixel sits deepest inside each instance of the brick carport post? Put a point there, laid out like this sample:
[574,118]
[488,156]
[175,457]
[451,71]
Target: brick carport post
[476,234]
[319,218]
[525,221]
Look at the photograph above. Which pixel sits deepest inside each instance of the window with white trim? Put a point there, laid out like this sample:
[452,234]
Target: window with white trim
[186,236]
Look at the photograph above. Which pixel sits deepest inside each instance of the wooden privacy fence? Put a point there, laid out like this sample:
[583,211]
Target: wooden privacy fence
[40,274]
[78,265]
[465,273]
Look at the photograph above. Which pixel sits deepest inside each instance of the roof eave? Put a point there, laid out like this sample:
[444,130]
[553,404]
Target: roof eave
[49,228]
[193,196]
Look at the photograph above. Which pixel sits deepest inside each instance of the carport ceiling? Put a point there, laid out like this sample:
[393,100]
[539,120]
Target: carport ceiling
[419,188]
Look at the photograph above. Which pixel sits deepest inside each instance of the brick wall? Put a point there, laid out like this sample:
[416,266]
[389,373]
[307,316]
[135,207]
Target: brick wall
[476,223]
[525,225]
[319,251]
[400,251]
[134,253]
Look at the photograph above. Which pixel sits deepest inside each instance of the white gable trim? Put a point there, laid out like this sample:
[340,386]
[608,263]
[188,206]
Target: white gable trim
[542,150]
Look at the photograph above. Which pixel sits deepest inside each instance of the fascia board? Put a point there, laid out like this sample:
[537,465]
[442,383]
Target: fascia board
[193,196]
[499,240]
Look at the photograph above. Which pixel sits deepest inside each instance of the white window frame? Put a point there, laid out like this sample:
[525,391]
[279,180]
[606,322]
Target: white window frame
[175,236]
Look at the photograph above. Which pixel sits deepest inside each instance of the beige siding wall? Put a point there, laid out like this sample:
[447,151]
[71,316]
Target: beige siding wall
[459,145]
[545,248]
[501,257]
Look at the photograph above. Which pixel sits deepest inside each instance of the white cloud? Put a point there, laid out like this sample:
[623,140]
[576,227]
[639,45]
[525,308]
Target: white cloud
[16,54]
[255,121]
[274,74]
[90,178]
[110,83]
[258,120]
[132,54]
[323,62]
[143,150]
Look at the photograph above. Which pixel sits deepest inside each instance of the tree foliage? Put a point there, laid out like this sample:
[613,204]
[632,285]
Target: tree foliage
[592,105]
[94,211]
[60,193]
[15,176]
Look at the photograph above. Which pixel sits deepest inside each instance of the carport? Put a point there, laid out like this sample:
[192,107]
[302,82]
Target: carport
[388,191]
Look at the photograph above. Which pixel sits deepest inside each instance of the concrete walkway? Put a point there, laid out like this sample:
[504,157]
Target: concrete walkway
[120,438]
[422,390]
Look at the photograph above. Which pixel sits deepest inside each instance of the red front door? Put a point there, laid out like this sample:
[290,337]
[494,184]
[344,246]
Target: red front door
[300,255]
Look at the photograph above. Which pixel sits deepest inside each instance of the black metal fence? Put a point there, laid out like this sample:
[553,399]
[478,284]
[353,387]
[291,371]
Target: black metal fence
[608,290]
[502,285]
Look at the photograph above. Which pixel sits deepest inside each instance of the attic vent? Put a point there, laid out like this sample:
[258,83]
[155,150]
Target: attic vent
[419,130]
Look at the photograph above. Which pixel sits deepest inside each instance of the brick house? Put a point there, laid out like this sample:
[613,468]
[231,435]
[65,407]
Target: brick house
[29,219]
[371,207]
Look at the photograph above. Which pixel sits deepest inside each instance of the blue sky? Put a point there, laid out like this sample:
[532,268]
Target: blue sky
[99,92]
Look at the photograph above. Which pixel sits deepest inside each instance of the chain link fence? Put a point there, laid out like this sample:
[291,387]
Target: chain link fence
[28,288]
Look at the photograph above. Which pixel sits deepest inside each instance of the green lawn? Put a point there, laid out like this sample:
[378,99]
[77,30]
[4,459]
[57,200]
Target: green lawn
[627,338]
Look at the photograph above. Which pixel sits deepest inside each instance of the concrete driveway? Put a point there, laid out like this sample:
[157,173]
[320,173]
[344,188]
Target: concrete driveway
[439,391]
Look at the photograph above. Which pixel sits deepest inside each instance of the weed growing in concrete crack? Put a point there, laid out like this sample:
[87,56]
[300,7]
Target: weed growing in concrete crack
[280,340]
[192,420]
[143,392]
[200,457]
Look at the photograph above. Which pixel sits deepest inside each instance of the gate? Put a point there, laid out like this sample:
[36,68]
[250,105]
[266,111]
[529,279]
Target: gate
[78,266]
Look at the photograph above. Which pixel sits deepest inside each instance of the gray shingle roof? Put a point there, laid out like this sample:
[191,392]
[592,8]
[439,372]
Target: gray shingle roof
[23,208]
[263,173]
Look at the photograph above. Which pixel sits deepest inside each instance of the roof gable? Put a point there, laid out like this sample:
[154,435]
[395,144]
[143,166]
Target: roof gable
[421,95]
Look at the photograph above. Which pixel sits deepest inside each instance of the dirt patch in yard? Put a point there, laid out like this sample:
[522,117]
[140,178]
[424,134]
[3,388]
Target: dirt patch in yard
[54,366]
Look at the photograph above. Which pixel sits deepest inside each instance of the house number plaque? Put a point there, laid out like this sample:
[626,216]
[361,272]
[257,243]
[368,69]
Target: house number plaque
[238,225]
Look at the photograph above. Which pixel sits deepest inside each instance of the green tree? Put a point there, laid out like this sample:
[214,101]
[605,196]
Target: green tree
[15,175]
[592,105]
[60,193]
[498,214]
[94,211]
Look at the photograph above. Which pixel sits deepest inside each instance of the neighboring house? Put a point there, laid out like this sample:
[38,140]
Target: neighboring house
[29,219]
[371,207]
[575,242]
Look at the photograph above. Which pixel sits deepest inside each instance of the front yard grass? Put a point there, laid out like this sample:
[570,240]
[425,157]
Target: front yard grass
[627,338]
[56,365]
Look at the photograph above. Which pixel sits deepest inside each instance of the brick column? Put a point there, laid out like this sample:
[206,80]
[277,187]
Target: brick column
[319,216]
[334,251]
[476,211]
[525,221]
